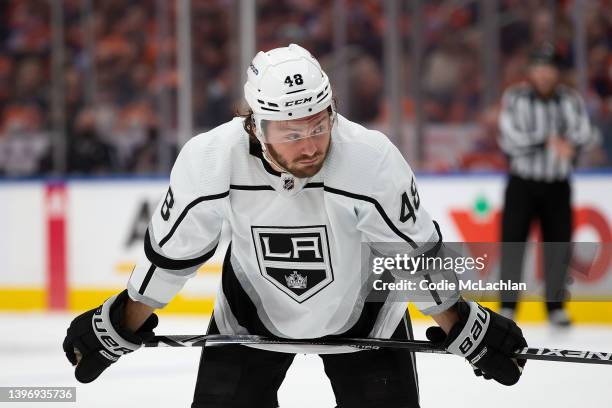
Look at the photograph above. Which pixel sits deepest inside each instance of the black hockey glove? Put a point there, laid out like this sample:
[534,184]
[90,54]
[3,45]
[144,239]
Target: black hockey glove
[487,340]
[100,339]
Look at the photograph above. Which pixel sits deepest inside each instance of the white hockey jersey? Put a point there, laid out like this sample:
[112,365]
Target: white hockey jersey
[293,268]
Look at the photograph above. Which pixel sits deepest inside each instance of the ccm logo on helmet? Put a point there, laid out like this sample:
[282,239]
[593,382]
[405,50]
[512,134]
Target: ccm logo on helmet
[298,101]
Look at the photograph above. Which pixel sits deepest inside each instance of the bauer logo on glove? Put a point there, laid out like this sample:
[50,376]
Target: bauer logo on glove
[96,338]
[486,339]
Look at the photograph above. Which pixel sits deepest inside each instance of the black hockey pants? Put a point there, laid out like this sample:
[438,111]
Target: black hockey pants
[237,376]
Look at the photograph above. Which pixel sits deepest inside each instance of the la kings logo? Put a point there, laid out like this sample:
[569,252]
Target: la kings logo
[294,259]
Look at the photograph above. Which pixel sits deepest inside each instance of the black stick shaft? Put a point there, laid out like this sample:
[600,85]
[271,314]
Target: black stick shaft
[419,346]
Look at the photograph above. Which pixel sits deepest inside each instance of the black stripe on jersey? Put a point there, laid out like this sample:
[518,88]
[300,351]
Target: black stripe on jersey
[268,187]
[434,251]
[431,253]
[240,304]
[186,210]
[242,187]
[379,208]
[173,264]
[146,280]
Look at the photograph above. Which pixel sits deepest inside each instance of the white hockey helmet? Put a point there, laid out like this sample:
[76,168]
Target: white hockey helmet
[284,84]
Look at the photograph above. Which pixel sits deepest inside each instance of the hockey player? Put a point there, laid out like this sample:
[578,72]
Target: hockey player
[301,188]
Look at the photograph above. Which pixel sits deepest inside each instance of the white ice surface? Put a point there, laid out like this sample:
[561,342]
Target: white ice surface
[31,355]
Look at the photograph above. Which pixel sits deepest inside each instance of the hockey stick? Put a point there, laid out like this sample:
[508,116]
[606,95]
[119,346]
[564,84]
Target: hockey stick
[419,346]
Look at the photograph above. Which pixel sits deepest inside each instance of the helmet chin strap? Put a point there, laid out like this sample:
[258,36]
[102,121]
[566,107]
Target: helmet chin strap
[270,160]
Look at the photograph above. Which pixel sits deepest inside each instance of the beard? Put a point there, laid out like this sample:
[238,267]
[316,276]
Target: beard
[296,168]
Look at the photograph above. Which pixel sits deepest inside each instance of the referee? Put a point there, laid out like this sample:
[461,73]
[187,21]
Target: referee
[543,127]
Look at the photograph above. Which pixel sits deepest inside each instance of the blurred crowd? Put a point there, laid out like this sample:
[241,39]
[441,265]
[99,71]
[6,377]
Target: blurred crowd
[119,79]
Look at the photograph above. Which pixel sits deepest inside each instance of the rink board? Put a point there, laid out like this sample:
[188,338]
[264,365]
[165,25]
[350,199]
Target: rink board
[71,244]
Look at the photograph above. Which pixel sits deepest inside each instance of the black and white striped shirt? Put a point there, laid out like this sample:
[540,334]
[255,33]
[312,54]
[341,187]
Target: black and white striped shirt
[527,121]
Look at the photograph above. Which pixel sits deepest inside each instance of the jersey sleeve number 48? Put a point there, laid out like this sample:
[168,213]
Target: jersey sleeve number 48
[408,209]
[167,205]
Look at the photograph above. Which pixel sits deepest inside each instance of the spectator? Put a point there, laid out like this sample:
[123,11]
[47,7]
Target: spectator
[125,70]
[87,153]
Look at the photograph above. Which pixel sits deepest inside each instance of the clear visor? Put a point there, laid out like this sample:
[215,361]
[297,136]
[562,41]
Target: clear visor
[287,131]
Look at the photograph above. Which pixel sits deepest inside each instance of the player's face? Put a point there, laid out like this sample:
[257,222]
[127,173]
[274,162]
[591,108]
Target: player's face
[544,78]
[301,145]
